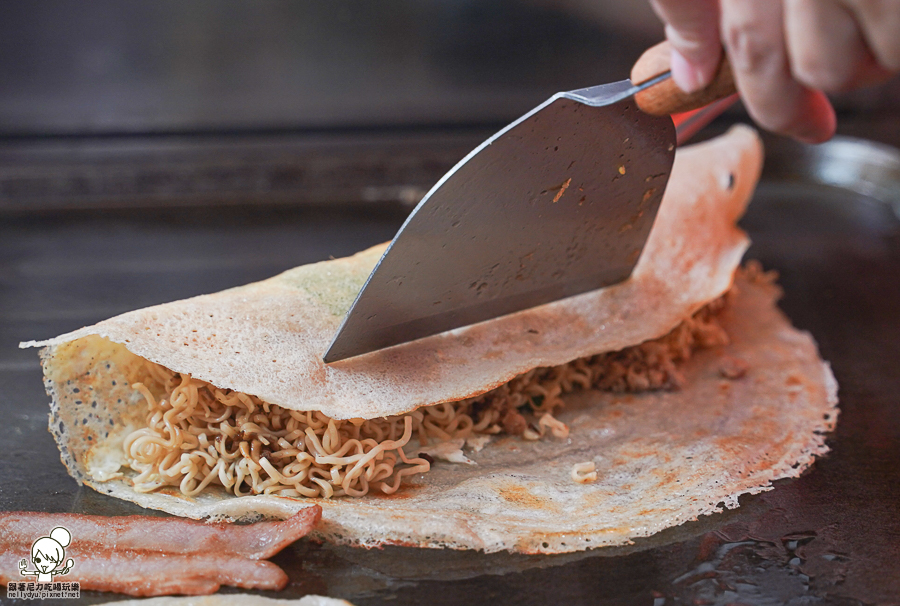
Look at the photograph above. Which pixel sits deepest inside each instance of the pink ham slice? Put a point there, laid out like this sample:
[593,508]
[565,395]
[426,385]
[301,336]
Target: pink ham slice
[140,573]
[146,556]
[170,535]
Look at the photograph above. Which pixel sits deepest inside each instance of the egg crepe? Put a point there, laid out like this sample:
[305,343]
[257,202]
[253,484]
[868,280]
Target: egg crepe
[659,457]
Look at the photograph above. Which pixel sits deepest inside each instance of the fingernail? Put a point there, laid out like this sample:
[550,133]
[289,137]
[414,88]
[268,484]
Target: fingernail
[820,120]
[687,76]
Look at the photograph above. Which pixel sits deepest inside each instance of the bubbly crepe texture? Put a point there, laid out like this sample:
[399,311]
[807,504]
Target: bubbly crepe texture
[661,458]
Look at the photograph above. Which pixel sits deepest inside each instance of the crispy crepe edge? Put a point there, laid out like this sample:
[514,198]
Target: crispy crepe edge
[365,523]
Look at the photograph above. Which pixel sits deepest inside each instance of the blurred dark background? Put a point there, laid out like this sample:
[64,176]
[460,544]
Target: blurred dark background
[114,67]
[128,103]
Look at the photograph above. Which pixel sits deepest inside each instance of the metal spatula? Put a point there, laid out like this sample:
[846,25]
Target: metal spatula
[558,203]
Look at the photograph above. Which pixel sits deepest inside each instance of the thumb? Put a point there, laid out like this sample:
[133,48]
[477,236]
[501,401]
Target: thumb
[692,27]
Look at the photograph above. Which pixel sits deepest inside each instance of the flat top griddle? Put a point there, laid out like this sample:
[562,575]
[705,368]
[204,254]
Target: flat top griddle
[823,217]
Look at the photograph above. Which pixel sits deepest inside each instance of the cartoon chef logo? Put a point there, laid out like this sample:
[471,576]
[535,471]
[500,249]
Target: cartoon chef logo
[47,555]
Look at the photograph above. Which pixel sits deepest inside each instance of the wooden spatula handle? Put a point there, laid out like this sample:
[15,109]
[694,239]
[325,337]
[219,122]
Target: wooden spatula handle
[666,98]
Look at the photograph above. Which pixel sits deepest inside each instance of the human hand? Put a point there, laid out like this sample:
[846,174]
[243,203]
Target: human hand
[785,54]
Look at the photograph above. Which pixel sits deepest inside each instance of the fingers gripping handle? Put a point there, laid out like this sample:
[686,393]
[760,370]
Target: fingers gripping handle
[666,98]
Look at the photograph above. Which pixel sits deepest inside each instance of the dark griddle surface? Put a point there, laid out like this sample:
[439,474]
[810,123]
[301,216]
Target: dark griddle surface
[830,537]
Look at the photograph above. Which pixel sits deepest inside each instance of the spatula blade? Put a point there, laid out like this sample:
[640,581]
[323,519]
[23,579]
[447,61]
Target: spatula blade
[558,203]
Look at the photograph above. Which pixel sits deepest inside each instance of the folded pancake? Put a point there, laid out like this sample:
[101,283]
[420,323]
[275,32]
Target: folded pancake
[220,407]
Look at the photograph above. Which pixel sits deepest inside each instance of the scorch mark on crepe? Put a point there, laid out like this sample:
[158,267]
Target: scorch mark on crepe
[661,459]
